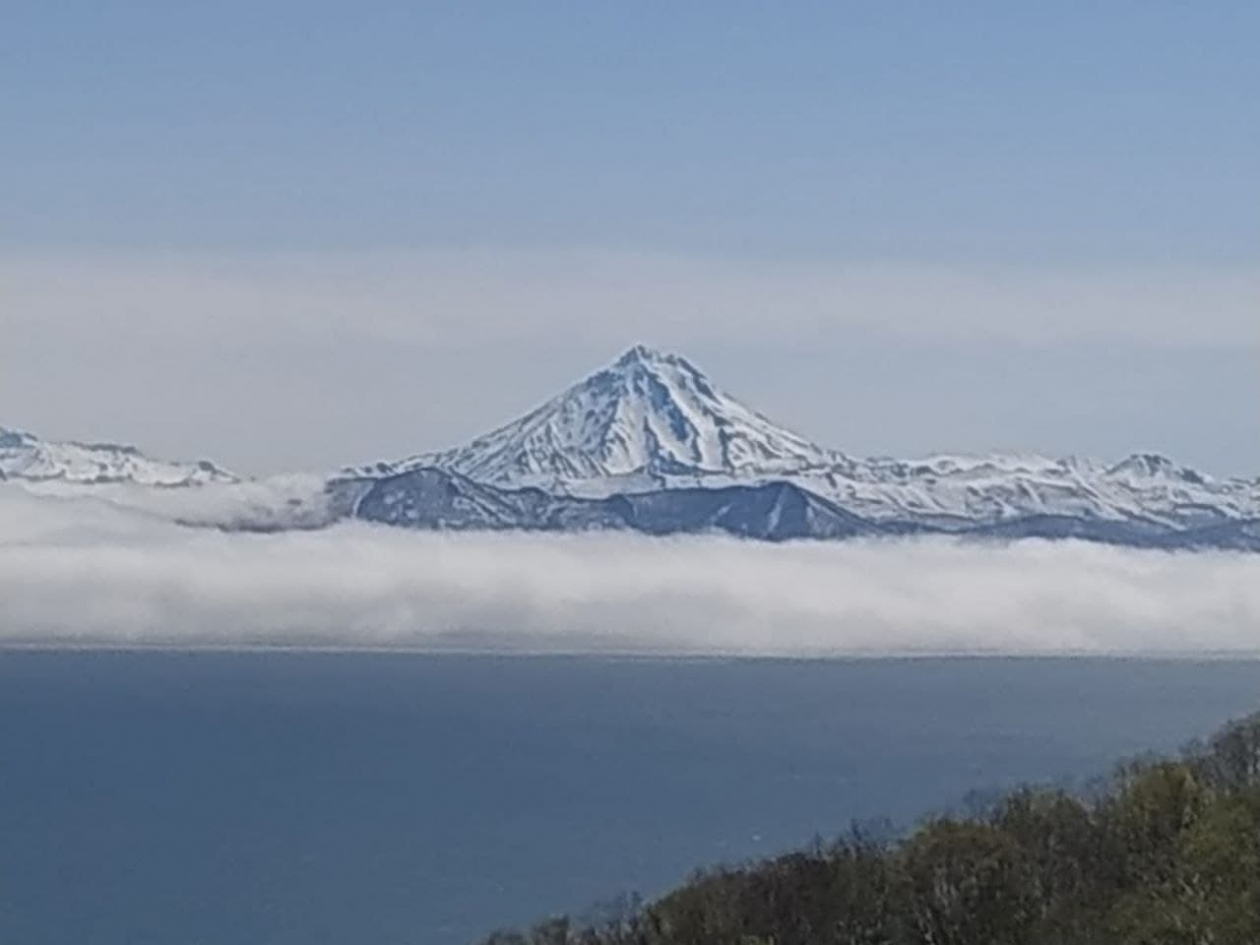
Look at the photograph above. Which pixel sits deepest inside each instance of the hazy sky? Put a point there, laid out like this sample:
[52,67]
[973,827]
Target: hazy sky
[306,234]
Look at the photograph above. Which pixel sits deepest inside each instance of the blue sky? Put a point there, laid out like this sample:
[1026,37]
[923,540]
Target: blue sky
[1078,144]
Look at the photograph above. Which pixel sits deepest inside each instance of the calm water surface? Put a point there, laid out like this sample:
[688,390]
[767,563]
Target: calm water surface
[154,798]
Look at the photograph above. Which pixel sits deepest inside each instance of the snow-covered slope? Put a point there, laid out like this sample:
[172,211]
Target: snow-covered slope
[429,498]
[653,420]
[646,417]
[954,491]
[27,457]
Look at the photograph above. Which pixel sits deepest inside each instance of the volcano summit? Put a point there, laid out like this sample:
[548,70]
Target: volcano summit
[650,443]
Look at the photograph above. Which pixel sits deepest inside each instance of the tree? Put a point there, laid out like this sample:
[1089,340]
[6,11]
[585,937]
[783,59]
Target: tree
[968,885]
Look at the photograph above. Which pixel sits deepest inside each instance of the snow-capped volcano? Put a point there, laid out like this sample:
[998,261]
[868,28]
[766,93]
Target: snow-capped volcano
[642,420]
[24,456]
[652,420]
[649,443]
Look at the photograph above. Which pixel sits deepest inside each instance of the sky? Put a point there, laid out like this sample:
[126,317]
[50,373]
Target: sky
[299,235]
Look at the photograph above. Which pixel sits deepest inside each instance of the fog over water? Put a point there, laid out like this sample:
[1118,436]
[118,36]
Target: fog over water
[85,571]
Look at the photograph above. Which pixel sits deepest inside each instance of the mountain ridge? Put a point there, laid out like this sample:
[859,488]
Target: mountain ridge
[433,499]
[436,499]
[650,443]
[652,420]
[27,457]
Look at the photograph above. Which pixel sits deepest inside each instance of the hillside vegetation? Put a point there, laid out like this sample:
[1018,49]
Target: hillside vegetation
[1164,852]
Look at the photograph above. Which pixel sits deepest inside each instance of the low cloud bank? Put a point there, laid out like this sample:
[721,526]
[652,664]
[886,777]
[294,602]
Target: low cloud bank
[85,571]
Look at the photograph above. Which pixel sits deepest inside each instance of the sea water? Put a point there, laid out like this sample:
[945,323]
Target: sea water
[180,798]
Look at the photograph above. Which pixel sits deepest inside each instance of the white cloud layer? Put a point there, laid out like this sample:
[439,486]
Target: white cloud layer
[84,571]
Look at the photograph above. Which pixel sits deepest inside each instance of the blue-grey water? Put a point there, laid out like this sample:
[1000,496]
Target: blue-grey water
[156,798]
